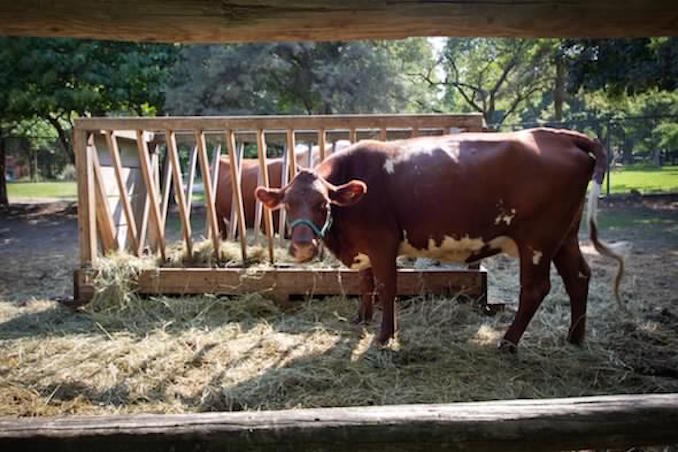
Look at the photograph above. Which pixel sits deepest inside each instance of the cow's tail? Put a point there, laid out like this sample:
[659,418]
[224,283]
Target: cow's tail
[615,251]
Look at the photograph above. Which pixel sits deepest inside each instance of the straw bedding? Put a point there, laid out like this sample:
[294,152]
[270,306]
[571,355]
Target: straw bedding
[127,354]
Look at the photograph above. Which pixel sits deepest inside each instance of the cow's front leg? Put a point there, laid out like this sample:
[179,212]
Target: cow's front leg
[385,275]
[367,294]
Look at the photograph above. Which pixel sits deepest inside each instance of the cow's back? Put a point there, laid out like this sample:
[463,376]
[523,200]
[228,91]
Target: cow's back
[464,186]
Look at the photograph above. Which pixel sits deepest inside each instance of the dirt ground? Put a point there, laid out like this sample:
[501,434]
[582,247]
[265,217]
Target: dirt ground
[208,353]
[39,250]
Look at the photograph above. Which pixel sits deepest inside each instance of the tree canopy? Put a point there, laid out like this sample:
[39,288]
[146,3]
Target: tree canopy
[46,83]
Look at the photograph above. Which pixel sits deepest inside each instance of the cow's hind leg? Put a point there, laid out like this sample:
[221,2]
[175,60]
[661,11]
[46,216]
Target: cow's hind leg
[534,286]
[576,274]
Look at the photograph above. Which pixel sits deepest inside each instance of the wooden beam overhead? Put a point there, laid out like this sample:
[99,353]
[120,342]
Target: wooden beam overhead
[211,21]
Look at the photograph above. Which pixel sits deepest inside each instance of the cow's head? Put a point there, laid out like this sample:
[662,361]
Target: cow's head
[307,200]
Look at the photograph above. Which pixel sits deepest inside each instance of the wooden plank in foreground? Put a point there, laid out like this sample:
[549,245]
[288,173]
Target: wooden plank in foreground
[619,421]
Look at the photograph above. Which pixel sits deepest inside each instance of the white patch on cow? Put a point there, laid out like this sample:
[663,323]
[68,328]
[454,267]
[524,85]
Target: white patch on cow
[418,149]
[389,166]
[536,257]
[506,217]
[361,262]
[449,250]
[582,276]
[506,244]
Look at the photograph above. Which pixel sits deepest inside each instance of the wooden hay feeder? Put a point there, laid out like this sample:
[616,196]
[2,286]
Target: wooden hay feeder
[128,167]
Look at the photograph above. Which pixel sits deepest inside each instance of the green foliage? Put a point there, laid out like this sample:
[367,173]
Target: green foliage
[293,78]
[57,80]
[496,77]
[623,66]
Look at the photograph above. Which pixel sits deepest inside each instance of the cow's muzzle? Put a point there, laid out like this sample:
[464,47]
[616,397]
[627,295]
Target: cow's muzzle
[303,251]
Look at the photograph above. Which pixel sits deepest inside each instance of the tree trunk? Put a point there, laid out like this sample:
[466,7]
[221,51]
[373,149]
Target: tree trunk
[64,140]
[559,88]
[4,201]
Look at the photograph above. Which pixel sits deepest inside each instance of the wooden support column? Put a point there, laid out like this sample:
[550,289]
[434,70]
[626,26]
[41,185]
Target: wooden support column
[173,157]
[237,206]
[112,144]
[209,193]
[153,203]
[235,161]
[352,137]
[263,171]
[192,162]
[291,153]
[105,225]
[322,137]
[216,156]
[86,202]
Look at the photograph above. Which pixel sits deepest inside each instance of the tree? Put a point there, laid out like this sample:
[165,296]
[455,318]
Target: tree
[623,66]
[286,78]
[58,80]
[495,77]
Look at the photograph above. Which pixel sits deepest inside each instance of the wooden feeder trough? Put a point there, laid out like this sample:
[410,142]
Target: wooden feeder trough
[126,168]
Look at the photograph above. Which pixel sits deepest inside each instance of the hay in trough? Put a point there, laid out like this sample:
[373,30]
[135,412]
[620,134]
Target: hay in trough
[206,353]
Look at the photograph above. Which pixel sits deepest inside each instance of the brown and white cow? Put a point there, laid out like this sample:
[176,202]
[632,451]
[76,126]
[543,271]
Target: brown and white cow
[456,198]
[249,179]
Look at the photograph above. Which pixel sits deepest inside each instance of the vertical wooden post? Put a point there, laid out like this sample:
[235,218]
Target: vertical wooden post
[382,134]
[153,235]
[166,185]
[209,194]
[284,179]
[291,156]
[86,204]
[216,157]
[152,195]
[263,170]
[414,132]
[321,143]
[237,191]
[105,224]
[112,144]
[258,208]
[191,177]
[173,157]
[235,163]
[352,136]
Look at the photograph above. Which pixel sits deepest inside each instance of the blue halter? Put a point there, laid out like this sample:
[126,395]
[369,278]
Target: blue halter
[318,232]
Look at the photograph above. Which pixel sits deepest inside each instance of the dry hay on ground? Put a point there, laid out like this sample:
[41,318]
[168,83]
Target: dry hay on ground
[209,353]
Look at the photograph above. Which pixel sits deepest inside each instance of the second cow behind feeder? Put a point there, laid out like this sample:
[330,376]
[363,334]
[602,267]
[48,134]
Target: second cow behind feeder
[249,180]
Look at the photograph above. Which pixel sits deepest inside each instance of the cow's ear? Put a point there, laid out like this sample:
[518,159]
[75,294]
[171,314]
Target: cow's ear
[349,193]
[270,197]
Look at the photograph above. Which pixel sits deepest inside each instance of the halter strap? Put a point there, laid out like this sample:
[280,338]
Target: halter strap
[318,232]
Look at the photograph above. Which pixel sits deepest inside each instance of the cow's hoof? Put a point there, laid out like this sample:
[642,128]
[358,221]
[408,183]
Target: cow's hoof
[575,339]
[383,339]
[507,346]
[362,318]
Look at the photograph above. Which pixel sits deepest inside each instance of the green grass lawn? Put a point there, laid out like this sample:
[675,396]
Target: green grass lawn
[644,178]
[53,189]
